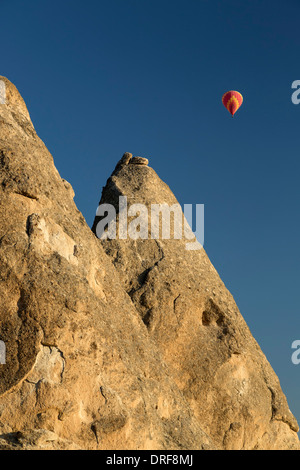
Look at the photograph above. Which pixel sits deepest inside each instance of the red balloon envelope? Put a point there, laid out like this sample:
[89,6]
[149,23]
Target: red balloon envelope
[232,100]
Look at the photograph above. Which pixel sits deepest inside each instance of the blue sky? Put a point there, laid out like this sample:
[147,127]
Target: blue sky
[147,76]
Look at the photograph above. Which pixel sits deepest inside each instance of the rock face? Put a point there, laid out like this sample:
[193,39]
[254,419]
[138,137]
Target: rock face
[116,344]
[81,370]
[194,321]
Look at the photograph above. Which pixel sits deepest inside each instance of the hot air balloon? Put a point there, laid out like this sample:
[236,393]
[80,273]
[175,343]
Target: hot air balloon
[232,100]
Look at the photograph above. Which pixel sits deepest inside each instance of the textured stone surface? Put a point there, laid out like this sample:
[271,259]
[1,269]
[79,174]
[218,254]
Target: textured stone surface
[116,345]
[193,319]
[139,161]
[81,370]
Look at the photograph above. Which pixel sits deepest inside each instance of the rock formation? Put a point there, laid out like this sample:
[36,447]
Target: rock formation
[116,344]
[193,319]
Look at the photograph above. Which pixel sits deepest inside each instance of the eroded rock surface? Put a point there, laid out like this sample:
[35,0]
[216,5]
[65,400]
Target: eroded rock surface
[81,370]
[193,319]
[117,344]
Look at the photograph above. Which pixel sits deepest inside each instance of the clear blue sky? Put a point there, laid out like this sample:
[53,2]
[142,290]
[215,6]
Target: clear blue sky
[147,76]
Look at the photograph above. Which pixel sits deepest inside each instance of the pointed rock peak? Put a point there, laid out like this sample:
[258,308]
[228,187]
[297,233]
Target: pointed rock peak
[128,159]
[121,163]
[11,99]
[192,318]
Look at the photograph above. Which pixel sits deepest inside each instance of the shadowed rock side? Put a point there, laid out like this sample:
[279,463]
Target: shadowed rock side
[193,319]
[82,371]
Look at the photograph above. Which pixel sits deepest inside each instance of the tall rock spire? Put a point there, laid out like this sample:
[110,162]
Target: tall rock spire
[196,324]
[122,344]
[80,371]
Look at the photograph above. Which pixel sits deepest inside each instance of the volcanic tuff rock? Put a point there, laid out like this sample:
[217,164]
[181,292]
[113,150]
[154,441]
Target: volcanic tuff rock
[194,321]
[151,353]
[81,370]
